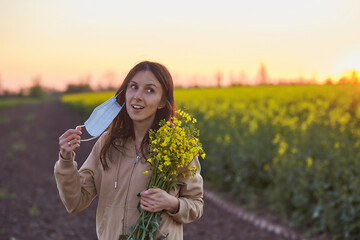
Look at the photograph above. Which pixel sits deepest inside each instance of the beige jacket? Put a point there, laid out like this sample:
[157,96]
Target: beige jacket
[117,189]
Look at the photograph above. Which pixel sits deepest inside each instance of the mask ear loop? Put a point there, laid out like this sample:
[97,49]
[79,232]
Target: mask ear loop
[118,94]
[85,140]
[89,139]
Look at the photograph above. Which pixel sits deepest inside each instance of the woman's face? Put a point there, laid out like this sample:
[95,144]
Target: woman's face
[144,95]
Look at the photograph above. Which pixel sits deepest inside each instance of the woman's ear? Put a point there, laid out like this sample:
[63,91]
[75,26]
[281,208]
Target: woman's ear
[162,104]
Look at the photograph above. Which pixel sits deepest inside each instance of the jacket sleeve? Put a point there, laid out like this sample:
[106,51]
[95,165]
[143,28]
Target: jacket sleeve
[190,197]
[77,189]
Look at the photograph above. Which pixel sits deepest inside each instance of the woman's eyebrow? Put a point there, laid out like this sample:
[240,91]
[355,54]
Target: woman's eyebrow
[147,85]
[151,84]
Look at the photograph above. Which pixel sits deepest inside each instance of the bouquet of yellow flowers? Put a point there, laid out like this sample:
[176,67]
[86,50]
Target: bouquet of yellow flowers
[172,148]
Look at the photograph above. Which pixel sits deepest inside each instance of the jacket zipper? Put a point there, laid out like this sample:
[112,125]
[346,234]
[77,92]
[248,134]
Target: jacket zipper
[127,193]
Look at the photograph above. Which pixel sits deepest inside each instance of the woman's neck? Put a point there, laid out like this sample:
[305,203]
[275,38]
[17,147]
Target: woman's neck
[140,131]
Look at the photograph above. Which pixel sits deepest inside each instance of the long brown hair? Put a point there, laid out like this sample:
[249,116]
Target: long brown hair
[122,126]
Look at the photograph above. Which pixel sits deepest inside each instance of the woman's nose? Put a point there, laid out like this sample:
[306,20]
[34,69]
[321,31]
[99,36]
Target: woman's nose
[138,95]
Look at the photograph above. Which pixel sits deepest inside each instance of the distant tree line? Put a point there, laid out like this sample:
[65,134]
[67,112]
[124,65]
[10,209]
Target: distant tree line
[350,78]
[35,91]
[38,91]
[78,88]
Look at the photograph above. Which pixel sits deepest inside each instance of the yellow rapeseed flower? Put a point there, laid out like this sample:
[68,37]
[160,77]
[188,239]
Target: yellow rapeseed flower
[309,162]
[266,167]
[172,149]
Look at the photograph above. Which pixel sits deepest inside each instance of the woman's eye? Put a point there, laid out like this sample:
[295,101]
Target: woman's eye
[149,90]
[133,86]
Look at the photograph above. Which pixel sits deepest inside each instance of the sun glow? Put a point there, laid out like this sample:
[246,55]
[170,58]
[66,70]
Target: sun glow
[351,62]
[67,42]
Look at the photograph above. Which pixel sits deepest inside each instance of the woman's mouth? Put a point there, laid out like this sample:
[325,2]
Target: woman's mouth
[137,107]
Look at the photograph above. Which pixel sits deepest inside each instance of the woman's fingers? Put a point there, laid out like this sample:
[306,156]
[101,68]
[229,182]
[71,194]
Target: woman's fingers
[73,143]
[73,137]
[153,200]
[149,206]
[70,141]
[71,131]
[146,203]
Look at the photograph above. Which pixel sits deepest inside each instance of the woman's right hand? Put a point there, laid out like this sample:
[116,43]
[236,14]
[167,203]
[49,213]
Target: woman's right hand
[69,142]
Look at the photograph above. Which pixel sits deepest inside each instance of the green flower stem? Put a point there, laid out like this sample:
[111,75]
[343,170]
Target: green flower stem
[147,225]
[136,228]
[143,213]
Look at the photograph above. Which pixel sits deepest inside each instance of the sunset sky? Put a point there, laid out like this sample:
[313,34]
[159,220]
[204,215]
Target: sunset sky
[63,41]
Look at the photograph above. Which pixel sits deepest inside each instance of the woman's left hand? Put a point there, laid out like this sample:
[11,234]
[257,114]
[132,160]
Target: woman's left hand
[155,200]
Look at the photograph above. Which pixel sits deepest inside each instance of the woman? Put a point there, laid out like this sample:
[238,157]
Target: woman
[114,170]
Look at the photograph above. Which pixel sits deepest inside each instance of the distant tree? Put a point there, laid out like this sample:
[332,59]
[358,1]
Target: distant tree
[354,77]
[242,78]
[262,74]
[83,85]
[86,79]
[329,81]
[6,93]
[219,78]
[77,88]
[300,80]
[21,93]
[351,77]
[343,80]
[237,80]
[111,79]
[37,90]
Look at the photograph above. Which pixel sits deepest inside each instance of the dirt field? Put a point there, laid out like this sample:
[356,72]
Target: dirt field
[30,207]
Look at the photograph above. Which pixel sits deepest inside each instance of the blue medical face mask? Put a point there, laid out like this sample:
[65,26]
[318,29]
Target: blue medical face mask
[101,117]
